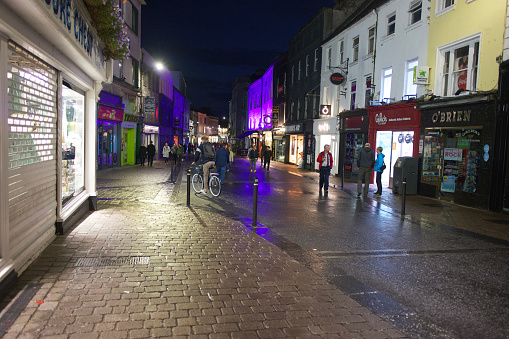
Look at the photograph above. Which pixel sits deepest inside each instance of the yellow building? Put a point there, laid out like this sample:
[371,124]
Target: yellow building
[465,39]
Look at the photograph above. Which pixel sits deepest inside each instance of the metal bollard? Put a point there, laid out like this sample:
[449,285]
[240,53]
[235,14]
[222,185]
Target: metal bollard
[189,187]
[255,202]
[404,197]
[343,178]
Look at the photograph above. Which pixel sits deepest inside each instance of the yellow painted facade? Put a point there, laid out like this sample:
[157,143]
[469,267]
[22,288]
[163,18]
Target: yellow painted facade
[469,18]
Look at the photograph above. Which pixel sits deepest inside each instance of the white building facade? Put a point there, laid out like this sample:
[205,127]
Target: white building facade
[51,73]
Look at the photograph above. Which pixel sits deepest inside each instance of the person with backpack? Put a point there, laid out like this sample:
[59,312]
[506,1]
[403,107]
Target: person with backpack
[252,154]
[365,162]
[206,154]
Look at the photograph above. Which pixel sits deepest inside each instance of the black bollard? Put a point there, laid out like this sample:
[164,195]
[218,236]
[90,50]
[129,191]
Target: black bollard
[255,202]
[343,178]
[189,187]
[404,197]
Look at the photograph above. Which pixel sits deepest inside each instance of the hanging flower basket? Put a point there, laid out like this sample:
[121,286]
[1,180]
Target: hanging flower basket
[110,26]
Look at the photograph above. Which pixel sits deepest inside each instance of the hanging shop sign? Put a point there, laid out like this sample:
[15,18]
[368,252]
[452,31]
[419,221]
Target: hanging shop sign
[421,75]
[149,106]
[325,110]
[110,113]
[151,129]
[337,78]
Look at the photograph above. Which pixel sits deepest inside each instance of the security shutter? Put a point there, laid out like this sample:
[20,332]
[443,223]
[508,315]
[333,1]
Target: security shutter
[32,107]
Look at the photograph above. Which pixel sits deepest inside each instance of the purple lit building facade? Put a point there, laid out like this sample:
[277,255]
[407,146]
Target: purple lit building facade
[260,105]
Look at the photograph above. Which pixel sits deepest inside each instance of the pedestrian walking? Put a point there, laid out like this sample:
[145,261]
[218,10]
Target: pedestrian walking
[180,153]
[266,160]
[174,153]
[262,155]
[324,165]
[151,151]
[142,154]
[365,162]
[252,154]
[205,154]
[166,153]
[379,168]
[222,160]
[230,151]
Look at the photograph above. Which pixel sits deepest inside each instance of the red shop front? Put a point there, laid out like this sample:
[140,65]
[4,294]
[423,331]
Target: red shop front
[396,129]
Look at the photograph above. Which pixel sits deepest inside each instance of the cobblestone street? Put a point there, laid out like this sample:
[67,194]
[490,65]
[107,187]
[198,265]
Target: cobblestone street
[144,266]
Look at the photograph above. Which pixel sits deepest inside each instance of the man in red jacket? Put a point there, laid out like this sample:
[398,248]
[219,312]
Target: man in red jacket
[325,164]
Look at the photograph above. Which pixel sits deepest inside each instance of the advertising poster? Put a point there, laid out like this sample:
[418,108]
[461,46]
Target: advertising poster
[449,183]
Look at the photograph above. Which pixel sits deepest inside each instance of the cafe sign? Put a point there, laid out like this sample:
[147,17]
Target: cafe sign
[337,78]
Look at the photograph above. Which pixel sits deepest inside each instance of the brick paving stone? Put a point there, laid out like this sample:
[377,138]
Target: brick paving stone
[208,276]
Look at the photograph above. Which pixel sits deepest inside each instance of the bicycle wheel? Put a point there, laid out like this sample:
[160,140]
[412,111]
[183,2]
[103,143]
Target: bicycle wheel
[197,182]
[214,185]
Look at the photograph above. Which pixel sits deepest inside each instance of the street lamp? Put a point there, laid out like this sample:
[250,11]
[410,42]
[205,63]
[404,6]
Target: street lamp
[159,66]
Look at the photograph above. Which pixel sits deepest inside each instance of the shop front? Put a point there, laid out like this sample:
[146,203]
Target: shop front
[128,142]
[48,96]
[396,129]
[109,127]
[279,144]
[354,134]
[456,146]
[151,133]
[295,133]
[326,133]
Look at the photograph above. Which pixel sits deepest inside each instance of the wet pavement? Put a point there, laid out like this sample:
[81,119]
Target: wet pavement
[145,265]
[439,271]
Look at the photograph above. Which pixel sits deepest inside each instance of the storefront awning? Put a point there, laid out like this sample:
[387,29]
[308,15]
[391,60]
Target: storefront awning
[245,134]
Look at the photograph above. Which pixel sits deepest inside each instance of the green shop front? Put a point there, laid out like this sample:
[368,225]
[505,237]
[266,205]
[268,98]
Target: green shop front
[456,149]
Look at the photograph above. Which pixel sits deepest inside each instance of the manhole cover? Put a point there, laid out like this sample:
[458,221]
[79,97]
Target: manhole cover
[112,261]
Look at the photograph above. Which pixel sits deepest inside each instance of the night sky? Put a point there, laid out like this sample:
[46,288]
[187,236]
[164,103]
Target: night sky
[212,42]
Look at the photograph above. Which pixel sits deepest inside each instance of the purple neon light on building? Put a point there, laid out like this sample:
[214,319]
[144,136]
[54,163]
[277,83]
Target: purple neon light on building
[259,97]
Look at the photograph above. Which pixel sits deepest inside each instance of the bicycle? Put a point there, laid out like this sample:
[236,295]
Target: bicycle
[214,182]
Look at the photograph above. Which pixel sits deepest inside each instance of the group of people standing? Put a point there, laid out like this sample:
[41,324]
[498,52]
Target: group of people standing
[365,161]
[176,151]
[266,155]
[149,152]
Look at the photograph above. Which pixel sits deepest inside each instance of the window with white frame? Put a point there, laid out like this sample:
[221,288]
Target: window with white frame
[391,24]
[371,40]
[298,70]
[460,67]
[367,97]
[444,4]
[293,74]
[307,65]
[385,92]
[355,47]
[316,61]
[329,57]
[415,11]
[298,109]
[410,87]
[341,52]
[353,90]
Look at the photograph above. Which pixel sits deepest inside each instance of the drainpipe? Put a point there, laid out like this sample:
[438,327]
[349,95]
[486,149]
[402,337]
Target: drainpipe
[374,48]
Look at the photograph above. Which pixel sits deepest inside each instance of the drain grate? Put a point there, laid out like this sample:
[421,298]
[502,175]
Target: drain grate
[112,261]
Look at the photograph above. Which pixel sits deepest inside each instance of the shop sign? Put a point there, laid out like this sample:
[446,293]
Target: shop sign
[293,128]
[149,106]
[325,110]
[398,117]
[73,19]
[421,75]
[380,119]
[129,124]
[454,116]
[280,89]
[353,123]
[454,154]
[449,183]
[279,131]
[110,113]
[323,127]
[150,129]
[337,78]
[130,118]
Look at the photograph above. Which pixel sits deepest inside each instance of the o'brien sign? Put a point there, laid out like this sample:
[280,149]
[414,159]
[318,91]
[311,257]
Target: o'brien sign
[73,19]
[454,116]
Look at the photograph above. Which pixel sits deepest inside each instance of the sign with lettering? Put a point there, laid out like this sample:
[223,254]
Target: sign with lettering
[110,113]
[130,118]
[451,116]
[149,106]
[421,75]
[325,110]
[74,20]
[293,128]
[337,78]
[401,115]
[455,154]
